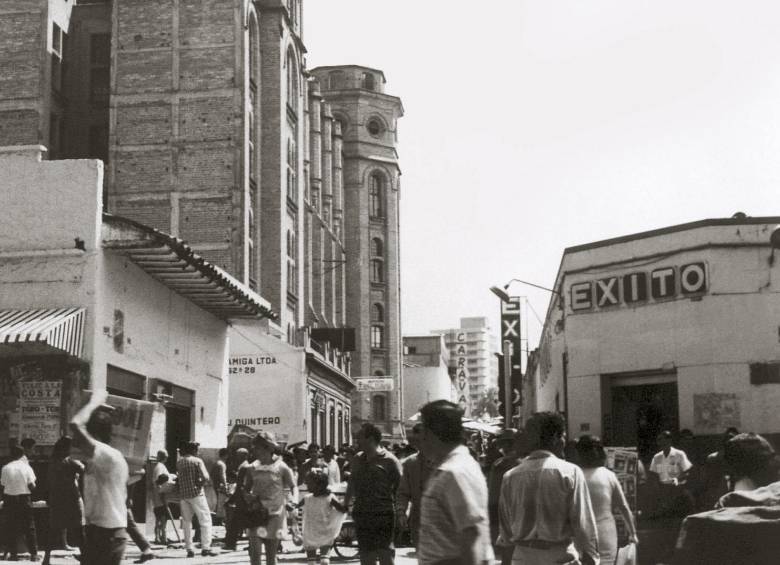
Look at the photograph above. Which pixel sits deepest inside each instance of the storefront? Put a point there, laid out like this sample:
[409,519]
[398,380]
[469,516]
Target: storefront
[673,329]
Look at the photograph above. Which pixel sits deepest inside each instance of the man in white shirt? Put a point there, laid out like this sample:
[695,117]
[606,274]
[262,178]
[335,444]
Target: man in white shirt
[670,467]
[454,525]
[105,484]
[669,464]
[18,482]
[331,465]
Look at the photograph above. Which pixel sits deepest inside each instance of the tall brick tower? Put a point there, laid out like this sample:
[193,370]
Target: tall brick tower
[368,119]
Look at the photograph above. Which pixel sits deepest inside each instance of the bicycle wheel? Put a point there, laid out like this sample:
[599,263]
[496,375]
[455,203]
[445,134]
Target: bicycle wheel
[345,544]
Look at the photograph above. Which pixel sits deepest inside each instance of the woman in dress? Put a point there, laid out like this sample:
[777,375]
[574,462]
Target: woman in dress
[606,496]
[265,481]
[66,509]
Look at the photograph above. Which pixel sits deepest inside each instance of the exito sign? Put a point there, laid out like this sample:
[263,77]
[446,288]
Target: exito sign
[639,287]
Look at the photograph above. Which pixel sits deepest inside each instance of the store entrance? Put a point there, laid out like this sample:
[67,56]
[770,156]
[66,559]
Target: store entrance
[642,406]
[177,429]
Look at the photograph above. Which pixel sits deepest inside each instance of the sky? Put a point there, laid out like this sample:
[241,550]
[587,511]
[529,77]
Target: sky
[533,125]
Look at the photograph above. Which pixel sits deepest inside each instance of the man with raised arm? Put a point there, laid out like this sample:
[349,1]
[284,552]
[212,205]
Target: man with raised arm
[105,484]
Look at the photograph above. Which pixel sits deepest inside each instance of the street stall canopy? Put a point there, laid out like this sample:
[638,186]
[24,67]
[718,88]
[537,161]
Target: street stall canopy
[42,331]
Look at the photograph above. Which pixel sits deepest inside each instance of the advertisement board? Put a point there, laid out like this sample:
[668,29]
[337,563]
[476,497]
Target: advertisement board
[374,384]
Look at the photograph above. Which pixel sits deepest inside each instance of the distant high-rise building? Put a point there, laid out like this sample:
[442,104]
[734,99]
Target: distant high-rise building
[473,346]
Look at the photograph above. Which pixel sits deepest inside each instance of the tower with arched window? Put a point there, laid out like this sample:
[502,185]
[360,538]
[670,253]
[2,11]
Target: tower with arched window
[371,186]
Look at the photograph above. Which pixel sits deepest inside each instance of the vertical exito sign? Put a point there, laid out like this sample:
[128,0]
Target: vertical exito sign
[510,332]
[462,374]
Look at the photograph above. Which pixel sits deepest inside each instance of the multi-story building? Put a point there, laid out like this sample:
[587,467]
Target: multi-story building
[213,131]
[427,374]
[473,349]
[368,118]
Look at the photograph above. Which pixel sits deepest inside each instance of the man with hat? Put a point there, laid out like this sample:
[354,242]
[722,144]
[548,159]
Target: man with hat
[192,476]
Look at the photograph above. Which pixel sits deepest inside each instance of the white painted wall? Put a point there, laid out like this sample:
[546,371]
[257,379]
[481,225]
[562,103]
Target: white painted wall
[273,396]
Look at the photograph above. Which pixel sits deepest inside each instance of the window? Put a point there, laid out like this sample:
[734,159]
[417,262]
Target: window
[375,127]
[292,81]
[377,271]
[368,81]
[377,247]
[252,109]
[292,9]
[376,195]
[377,337]
[292,176]
[377,313]
[379,404]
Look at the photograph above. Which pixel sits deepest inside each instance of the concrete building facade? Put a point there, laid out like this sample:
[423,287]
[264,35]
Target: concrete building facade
[368,117]
[473,347]
[675,328]
[427,374]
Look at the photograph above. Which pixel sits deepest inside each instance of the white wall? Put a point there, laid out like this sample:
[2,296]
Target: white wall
[270,394]
[423,385]
[167,337]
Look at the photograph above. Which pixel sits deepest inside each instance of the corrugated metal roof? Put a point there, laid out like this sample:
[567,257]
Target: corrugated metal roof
[174,263]
[60,328]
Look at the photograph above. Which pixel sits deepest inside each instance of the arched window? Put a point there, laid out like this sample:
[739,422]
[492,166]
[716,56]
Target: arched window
[377,271]
[377,247]
[292,81]
[377,313]
[376,196]
[368,81]
[377,337]
[379,404]
[292,167]
[336,80]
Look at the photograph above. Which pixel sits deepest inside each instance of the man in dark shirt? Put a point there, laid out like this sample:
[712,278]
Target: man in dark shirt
[376,474]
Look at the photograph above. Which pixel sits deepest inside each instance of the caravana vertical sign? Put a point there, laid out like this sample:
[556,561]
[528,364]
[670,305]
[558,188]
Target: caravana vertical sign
[462,374]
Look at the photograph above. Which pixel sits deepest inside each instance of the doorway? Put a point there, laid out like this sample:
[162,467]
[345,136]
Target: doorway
[641,407]
[178,421]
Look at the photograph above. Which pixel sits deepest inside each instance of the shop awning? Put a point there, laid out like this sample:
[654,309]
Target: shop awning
[60,329]
[175,264]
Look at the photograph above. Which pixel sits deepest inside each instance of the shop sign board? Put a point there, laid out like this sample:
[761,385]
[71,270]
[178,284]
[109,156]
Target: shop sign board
[639,287]
[374,384]
[624,462]
[462,374]
[39,407]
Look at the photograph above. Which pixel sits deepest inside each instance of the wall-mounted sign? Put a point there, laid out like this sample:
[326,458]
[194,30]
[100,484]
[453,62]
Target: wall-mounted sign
[249,364]
[462,373]
[374,384]
[638,287]
[40,410]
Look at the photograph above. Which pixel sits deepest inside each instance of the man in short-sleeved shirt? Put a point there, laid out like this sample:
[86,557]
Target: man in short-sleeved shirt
[669,464]
[18,480]
[192,476]
[454,525]
[372,485]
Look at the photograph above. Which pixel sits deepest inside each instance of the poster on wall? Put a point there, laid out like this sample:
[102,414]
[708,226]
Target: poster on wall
[39,407]
[624,462]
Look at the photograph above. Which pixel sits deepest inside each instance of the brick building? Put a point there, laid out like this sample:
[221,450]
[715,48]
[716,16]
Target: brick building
[212,130]
[368,118]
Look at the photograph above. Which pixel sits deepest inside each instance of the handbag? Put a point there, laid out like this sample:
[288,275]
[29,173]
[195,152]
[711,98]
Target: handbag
[626,555]
[253,513]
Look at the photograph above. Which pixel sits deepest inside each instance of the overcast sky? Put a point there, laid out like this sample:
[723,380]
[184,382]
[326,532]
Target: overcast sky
[534,125]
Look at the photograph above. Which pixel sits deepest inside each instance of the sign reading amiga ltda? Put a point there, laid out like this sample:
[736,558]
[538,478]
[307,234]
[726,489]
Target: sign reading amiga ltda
[639,287]
[249,364]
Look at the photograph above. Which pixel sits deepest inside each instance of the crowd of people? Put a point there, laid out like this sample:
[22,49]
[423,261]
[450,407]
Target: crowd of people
[525,497]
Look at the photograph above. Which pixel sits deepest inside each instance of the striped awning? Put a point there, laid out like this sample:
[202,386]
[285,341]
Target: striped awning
[61,329]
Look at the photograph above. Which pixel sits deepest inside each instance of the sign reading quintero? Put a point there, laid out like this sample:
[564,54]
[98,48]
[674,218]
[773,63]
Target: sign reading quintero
[640,286]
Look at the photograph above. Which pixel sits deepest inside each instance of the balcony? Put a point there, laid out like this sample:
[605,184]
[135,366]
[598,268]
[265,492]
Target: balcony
[327,356]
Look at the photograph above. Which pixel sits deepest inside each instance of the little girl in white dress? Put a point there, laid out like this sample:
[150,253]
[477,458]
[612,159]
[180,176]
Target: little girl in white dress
[322,518]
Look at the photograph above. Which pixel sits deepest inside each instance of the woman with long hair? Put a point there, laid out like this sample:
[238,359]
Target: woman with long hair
[66,508]
[606,496]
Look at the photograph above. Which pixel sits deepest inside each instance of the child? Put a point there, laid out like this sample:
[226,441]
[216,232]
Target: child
[322,517]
